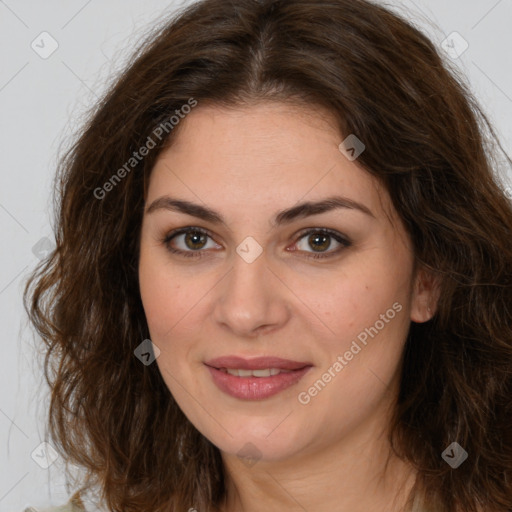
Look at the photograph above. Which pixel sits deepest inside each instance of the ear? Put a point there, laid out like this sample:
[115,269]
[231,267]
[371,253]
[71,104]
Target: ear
[425,297]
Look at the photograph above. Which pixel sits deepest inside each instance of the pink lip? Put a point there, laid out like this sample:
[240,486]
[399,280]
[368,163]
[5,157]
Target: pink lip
[256,363]
[255,388]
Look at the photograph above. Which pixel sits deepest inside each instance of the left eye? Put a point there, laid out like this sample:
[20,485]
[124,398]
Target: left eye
[321,240]
[196,239]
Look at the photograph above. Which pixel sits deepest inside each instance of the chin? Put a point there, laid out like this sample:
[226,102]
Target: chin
[259,440]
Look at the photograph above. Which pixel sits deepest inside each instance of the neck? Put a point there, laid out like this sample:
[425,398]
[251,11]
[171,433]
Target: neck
[356,474]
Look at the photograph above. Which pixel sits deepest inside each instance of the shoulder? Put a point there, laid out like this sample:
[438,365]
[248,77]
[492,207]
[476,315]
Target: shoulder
[75,504]
[68,507]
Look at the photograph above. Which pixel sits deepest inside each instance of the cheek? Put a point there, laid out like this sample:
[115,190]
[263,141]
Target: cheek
[168,308]
[359,363]
[366,311]
[355,299]
[163,295]
[374,327]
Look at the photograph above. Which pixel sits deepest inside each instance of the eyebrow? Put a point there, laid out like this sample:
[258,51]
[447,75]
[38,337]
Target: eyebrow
[287,216]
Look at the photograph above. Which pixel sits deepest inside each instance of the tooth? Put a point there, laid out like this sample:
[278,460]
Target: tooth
[261,373]
[267,372]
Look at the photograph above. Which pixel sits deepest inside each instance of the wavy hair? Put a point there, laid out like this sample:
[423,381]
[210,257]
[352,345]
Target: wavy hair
[427,141]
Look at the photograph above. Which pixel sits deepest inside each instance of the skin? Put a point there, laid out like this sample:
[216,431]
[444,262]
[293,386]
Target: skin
[248,163]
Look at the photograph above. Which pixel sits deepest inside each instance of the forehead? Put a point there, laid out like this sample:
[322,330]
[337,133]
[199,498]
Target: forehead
[279,128]
[260,155]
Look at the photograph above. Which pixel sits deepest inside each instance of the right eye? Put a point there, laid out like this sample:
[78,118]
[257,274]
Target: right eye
[193,241]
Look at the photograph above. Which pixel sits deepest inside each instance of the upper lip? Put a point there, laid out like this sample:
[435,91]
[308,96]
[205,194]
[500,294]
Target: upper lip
[256,363]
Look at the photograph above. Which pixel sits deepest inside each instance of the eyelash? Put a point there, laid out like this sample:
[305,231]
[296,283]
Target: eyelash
[199,253]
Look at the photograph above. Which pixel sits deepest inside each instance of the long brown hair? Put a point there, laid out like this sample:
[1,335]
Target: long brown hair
[426,140]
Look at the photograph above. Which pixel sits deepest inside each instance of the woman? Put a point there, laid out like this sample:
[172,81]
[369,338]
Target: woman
[283,273]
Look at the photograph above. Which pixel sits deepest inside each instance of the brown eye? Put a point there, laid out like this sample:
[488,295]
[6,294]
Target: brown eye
[190,241]
[320,240]
[195,240]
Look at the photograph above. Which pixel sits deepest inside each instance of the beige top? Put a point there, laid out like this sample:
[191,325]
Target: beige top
[75,504]
[72,508]
[68,507]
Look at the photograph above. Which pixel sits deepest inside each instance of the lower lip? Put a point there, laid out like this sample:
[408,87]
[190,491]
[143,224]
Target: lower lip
[255,388]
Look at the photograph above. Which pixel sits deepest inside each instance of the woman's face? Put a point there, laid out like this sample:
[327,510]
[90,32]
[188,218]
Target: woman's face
[248,285]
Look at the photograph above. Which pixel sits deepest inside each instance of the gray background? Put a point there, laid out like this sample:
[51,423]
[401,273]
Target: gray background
[43,100]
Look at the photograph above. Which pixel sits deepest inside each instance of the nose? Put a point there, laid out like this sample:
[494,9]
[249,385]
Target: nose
[251,299]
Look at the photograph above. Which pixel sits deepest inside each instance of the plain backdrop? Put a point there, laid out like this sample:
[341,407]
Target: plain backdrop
[42,100]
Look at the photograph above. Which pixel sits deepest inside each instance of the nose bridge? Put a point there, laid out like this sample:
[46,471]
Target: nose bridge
[249,300]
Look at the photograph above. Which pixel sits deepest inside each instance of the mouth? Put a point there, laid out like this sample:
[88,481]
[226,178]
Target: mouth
[267,372]
[257,378]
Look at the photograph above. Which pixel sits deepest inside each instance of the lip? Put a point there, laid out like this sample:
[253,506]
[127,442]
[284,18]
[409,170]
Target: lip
[256,363]
[255,388]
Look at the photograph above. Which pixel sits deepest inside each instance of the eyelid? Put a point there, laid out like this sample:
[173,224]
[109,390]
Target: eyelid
[180,231]
[168,237]
[339,237]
